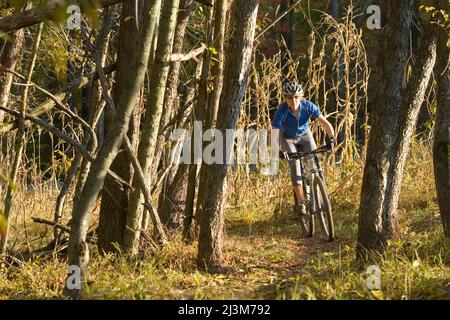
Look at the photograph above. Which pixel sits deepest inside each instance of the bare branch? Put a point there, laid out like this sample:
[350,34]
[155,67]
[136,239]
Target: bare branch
[51,223]
[66,138]
[36,15]
[60,95]
[192,54]
[61,107]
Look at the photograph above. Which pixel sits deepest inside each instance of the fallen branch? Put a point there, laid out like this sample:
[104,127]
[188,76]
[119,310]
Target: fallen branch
[51,223]
[6,257]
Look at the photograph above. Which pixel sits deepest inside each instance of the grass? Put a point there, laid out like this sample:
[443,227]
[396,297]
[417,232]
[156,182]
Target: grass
[266,256]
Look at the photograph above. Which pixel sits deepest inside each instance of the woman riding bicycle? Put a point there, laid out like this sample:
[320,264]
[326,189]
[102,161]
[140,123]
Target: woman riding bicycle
[291,118]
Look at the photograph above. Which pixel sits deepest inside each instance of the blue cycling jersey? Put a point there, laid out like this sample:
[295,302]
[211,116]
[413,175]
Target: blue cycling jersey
[287,122]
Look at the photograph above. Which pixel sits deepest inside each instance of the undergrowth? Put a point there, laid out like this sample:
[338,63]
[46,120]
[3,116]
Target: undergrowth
[266,256]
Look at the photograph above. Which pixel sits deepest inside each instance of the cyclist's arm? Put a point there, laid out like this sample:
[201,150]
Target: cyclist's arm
[326,125]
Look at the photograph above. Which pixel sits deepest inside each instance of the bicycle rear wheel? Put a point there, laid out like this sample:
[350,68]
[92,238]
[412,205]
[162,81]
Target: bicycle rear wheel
[323,208]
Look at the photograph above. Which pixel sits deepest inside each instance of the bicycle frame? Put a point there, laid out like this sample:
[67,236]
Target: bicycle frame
[316,169]
[317,198]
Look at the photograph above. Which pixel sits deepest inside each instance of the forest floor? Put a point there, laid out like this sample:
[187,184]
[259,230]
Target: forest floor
[266,256]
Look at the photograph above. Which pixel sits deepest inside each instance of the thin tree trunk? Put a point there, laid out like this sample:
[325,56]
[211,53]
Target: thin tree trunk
[192,175]
[173,195]
[155,99]
[373,223]
[212,186]
[217,66]
[9,58]
[133,54]
[172,201]
[156,16]
[19,143]
[114,205]
[200,109]
[412,100]
[186,7]
[96,109]
[441,145]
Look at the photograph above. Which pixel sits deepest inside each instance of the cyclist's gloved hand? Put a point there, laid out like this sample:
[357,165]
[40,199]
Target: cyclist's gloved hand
[331,142]
[283,155]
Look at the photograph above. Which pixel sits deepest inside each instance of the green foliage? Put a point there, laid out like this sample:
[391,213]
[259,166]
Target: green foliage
[5,36]
[19,4]
[3,223]
[56,57]
[437,15]
[60,12]
[3,13]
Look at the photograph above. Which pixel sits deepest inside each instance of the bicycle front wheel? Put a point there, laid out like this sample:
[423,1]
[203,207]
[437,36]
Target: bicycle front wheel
[323,208]
[306,220]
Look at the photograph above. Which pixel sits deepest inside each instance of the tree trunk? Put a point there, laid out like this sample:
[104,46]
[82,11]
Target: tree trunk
[11,55]
[373,223]
[114,205]
[217,66]
[211,113]
[172,200]
[334,9]
[212,187]
[411,102]
[186,7]
[173,196]
[155,99]
[192,175]
[373,42]
[95,111]
[199,115]
[133,53]
[441,145]
[286,24]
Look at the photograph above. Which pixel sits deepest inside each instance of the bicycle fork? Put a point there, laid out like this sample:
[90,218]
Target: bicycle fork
[312,198]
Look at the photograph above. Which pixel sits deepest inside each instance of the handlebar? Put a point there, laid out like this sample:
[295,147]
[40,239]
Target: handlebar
[298,155]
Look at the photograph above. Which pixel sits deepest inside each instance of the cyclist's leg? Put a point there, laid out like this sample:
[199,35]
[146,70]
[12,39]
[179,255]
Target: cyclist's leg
[307,142]
[288,144]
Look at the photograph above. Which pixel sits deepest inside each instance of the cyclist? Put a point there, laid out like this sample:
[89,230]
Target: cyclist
[291,118]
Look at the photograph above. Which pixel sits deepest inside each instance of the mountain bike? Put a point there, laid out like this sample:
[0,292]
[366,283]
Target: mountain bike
[315,191]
